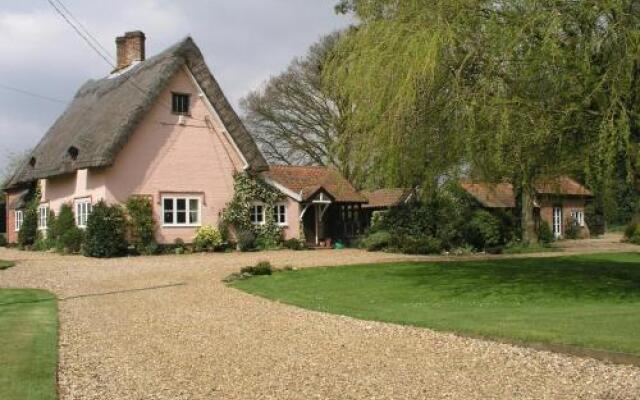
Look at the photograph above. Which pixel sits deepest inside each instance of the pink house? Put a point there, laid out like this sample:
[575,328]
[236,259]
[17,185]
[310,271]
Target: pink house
[161,127]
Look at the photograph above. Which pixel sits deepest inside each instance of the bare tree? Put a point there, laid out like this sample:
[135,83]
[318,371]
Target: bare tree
[293,119]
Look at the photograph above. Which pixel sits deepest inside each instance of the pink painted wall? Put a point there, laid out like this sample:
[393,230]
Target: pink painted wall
[292,230]
[163,157]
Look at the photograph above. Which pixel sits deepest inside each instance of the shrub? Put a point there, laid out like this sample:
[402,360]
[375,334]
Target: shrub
[484,230]
[28,233]
[71,241]
[572,230]
[105,234]
[141,224]
[246,241]
[377,241]
[208,238]
[632,232]
[261,268]
[178,246]
[294,244]
[545,235]
[420,245]
[43,242]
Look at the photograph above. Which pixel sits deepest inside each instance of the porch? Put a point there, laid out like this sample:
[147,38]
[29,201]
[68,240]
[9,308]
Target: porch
[326,221]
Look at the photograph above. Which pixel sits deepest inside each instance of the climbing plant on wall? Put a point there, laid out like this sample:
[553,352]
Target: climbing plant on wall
[248,190]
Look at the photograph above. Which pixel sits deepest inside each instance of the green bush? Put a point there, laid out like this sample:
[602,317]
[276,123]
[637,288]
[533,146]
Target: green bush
[105,234]
[484,230]
[28,233]
[545,235]
[208,238]
[377,241]
[44,242]
[420,245]
[246,241]
[71,241]
[262,268]
[141,224]
[572,230]
[632,232]
[294,244]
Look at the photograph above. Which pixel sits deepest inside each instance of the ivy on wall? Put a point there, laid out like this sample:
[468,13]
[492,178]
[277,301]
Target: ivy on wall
[248,190]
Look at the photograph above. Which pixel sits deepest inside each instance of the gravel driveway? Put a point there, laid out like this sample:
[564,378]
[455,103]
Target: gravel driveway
[167,328]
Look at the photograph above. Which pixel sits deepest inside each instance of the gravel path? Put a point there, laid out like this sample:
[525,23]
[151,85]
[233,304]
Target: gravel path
[187,336]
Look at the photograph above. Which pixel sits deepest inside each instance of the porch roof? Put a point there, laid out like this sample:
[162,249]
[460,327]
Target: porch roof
[305,181]
[384,198]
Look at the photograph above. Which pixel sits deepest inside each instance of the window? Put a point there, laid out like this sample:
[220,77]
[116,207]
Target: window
[19,216]
[180,103]
[43,216]
[577,217]
[181,211]
[257,214]
[280,214]
[83,209]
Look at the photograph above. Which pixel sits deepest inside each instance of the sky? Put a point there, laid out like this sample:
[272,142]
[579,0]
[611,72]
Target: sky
[244,43]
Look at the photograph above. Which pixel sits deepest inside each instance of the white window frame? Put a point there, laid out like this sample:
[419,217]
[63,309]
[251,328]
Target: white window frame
[253,207]
[277,214]
[578,217]
[82,208]
[18,216]
[188,210]
[43,217]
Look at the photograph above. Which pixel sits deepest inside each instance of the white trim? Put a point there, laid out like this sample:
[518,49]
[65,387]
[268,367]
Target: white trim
[276,212]
[187,210]
[17,225]
[77,216]
[264,212]
[296,196]
[213,111]
[45,207]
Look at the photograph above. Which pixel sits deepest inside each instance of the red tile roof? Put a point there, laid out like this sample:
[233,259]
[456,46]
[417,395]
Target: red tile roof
[498,195]
[564,186]
[383,198]
[501,195]
[308,180]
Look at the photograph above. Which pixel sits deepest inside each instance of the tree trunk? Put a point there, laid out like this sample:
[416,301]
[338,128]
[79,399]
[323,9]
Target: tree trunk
[529,234]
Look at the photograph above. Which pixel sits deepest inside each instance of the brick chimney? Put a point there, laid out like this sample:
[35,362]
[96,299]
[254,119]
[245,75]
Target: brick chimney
[130,49]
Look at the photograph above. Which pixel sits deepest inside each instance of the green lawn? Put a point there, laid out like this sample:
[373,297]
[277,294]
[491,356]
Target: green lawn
[587,301]
[5,264]
[28,345]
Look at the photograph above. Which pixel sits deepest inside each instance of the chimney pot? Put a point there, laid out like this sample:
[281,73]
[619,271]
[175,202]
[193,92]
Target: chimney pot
[130,49]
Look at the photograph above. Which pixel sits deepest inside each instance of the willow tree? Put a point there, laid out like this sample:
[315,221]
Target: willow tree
[521,90]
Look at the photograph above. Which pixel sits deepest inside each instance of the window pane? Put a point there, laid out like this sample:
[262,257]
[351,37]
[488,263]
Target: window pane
[181,204]
[193,211]
[181,217]
[168,204]
[168,217]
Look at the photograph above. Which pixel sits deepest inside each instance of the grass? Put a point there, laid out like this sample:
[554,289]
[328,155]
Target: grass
[28,345]
[5,264]
[586,301]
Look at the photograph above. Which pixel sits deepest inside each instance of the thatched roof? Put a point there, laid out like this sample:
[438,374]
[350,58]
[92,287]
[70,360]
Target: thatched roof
[105,112]
[306,181]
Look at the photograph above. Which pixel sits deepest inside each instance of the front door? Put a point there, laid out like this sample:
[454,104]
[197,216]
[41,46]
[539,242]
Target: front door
[557,222]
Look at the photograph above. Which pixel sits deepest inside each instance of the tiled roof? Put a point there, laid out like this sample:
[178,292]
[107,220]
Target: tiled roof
[562,186]
[498,195]
[308,180]
[383,198]
[501,195]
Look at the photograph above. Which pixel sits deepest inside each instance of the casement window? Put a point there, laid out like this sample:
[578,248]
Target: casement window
[578,217]
[43,216]
[181,211]
[280,214]
[180,103]
[18,217]
[83,209]
[256,211]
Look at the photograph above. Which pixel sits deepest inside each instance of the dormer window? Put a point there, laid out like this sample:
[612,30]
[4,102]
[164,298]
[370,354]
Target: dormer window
[32,162]
[180,103]
[73,152]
